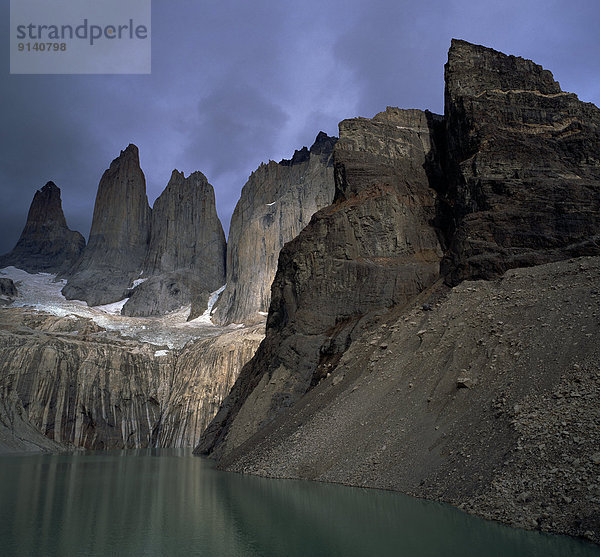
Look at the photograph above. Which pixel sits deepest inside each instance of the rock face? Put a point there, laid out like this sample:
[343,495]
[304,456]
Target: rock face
[375,247]
[17,435]
[358,382]
[163,293]
[519,445]
[276,203]
[523,165]
[119,235]
[8,291]
[65,379]
[46,243]
[186,254]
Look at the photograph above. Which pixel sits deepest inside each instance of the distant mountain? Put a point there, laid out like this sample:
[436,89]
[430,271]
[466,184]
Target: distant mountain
[186,252]
[119,235]
[276,203]
[46,243]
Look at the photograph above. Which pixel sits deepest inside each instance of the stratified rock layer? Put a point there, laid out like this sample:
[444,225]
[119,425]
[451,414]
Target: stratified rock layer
[46,243]
[523,165]
[66,379]
[186,254]
[372,249]
[119,235]
[276,203]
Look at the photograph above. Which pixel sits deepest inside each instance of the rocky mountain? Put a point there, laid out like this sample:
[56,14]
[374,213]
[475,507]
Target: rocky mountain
[46,243]
[65,378]
[8,291]
[186,253]
[276,203]
[371,373]
[489,402]
[119,235]
[523,164]
[374,248]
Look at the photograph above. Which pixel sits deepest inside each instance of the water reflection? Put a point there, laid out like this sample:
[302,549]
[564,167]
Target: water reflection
[170,503]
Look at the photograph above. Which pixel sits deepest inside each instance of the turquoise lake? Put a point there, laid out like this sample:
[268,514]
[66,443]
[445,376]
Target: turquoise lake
[172,503]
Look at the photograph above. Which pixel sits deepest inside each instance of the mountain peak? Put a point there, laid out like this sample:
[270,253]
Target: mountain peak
[46,243]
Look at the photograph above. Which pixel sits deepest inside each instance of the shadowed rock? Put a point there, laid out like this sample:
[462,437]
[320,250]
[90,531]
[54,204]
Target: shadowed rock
[372,249]
[186,254]
[8,291]
[46,243]
[523,165]
[355,383]
[163,293]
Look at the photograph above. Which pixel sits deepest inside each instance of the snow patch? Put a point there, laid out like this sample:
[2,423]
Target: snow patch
[114,308]
[212,300]
[161,353]
[139,281]
[263,313]
[271,204]
[42,292]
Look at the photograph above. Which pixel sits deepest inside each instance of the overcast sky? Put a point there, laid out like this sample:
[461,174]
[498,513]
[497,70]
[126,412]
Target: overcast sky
[238,82]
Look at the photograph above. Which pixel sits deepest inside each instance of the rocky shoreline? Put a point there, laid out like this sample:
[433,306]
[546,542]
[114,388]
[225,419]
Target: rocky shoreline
[486,402]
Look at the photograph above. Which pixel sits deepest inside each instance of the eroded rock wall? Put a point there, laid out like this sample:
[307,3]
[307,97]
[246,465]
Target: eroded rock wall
[80,387]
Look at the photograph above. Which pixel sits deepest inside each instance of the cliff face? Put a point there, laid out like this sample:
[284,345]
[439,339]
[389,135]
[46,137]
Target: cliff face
[186,253]
[119,235]
[65,379]
[276,203]
[373,248]
[523,165]
[186,232]
[46,243]
[489,402]
[486,401]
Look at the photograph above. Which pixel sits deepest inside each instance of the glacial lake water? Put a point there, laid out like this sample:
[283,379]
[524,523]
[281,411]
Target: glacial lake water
[169,503]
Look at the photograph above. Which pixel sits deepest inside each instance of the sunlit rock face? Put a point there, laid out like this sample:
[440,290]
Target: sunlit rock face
[46,243]
[373,248]
[276,203]
[508,178]
[119,235]
[186,253]
[65,378]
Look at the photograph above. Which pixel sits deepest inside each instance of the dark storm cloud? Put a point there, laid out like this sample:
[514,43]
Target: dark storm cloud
[396,50]
[235,83]
[236,124]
